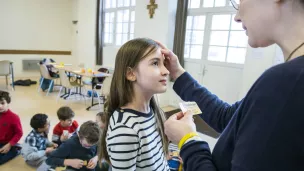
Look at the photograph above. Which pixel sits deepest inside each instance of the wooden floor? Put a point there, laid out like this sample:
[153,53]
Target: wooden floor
[26,102]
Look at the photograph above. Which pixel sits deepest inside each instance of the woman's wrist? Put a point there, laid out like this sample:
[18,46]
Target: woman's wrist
[186,137]
[178,73]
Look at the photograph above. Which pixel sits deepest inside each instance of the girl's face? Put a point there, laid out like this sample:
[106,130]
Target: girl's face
[99,122]
[260,19]
[151,75]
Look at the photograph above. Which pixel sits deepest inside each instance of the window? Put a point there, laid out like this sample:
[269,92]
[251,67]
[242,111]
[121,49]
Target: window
[194,37]
[228,41]
[212,34]
[119,21]
[208,3]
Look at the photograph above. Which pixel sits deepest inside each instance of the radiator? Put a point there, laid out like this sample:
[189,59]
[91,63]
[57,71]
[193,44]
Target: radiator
[30,64]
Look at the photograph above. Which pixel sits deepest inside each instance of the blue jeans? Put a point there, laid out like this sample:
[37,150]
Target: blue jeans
[9,155]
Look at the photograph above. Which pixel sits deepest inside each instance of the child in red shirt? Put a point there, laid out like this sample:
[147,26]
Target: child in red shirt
[66,126]
[11,130]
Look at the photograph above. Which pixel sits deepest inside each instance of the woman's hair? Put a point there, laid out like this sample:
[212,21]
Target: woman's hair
[121,90]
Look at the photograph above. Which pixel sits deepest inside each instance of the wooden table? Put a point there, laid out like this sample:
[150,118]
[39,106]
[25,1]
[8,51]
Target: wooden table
[92,75]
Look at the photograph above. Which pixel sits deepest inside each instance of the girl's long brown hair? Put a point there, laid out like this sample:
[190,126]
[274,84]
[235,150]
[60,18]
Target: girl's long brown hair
[121,90]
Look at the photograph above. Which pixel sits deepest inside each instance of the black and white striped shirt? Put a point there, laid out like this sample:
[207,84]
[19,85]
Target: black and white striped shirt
[134,143]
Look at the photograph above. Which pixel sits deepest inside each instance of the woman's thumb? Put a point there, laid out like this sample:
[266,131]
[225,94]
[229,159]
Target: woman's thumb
[188,115]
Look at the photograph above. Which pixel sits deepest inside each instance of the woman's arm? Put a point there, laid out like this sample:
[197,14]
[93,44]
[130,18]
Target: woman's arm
[215,112]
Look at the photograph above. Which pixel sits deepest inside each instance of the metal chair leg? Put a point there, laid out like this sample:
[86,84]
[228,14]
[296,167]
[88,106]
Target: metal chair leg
[40,84]
[98,98]
[6,81]
[59,93]
[50,86]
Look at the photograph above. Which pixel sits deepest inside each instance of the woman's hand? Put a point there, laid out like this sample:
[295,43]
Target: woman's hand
[178,125]
[171,62]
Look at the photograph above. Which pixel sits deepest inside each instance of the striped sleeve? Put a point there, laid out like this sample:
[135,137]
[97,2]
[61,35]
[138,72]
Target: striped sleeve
[122,146]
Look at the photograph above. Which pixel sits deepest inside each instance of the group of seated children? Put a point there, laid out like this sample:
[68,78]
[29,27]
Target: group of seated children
[71,147]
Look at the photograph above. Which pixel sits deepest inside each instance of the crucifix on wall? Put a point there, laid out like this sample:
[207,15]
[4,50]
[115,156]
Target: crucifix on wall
[151,7]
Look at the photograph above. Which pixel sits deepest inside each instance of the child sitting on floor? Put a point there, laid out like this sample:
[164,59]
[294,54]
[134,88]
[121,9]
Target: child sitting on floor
[37,146]
[10,130]
[80,151]
[66,127]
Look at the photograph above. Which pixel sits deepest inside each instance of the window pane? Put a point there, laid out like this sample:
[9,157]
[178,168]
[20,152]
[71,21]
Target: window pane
[120,3]
[208,3]
[219,38]
[112,17]
[235,25]
[199,22]
[194,4]
[236,55]
[132,28]
[107,17]
[186,51]
[189,22]
[107,27]
[221,22]
[133,16]
[197,37]
[124,38]
[118,39]
[120,16]
[110,38]
[220,3]
[188,37]
[125,28]
[113,4]
[119,28]
[133,3]
[131,36]
[126,15]
[238,39]
[196,52]
[106,38]
[111,27]
[107,3]
[217,54]
[127,3]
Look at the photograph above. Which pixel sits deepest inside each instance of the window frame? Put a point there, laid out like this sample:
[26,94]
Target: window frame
[115,22]
[208,13]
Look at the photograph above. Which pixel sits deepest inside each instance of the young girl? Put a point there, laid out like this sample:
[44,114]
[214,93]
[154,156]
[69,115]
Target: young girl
[100,120]
[133,138]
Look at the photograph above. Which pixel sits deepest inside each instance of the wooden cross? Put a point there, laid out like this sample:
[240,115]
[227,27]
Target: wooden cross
[152,8]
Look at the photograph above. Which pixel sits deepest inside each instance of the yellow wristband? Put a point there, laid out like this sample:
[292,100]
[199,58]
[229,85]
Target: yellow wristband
[185,138]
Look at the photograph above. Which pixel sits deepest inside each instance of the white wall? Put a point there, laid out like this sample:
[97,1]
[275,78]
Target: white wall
[257,61]
[35,25]
[86,26]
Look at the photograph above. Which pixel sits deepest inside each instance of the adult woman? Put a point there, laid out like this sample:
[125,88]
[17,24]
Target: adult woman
[264,130]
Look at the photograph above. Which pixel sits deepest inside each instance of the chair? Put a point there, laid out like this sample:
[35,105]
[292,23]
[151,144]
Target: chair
[65,83]
[98,81]
[97,84]
[46,75]
[5,70]
[105,90]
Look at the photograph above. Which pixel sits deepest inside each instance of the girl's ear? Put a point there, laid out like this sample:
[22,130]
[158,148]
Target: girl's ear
[130,75]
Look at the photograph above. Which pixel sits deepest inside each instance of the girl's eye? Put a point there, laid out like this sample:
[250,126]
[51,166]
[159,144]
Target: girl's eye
[155,63]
